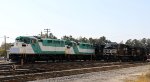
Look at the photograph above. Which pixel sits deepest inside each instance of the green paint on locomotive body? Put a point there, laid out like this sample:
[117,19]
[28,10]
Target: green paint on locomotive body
[76,50]
[83,46]
[86,46]
[36,48]
[55,43]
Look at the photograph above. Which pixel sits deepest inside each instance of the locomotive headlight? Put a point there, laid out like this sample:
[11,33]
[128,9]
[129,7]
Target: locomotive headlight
[23,45]
[12,44]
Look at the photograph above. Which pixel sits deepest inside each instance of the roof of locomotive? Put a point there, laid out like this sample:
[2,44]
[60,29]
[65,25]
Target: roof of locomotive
[39,38]
[85,43]
[32,37]
[52,39]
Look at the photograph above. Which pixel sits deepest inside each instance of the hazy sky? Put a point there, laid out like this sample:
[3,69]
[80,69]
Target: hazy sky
[116,19]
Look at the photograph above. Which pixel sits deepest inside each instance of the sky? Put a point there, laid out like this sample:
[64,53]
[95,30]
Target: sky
[117,20]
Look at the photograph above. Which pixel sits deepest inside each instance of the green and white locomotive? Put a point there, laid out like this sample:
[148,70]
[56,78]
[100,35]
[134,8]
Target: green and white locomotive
[32,48]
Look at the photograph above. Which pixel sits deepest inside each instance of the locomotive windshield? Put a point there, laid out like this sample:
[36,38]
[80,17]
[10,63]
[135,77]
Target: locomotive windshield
[69,43]
[26,40]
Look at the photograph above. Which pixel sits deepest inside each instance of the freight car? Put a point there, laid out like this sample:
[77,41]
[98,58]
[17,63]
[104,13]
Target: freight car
[32,48]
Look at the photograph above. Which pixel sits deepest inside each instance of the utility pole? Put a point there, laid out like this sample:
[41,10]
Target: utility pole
[47,31]
[5,45]
[41,34]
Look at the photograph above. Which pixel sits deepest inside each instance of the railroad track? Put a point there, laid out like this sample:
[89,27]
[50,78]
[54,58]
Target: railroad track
[39,73]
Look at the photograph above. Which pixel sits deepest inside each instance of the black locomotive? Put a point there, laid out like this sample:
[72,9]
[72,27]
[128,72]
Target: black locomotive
[121,52]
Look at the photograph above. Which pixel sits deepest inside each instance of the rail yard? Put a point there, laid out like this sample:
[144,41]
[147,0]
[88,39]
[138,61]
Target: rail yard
[37,58]
[74,41]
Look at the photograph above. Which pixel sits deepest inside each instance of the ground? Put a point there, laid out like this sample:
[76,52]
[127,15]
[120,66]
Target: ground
[76,72]
[118,75]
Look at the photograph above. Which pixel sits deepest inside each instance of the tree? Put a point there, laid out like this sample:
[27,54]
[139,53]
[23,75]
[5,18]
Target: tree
[83,39]
[69,38]
[8,45]
[52,36]
[129,42]
[2,49]
[144,42]
[102,40]
[138,43]
[92,41]
[2,53]
[148,43]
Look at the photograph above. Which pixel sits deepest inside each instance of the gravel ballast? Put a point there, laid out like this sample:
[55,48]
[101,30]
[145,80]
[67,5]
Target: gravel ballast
[116,75]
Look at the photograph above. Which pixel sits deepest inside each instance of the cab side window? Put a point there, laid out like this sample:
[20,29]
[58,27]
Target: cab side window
[33,41]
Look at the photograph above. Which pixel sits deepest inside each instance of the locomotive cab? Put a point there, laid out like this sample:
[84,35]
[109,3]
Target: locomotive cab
[110,49]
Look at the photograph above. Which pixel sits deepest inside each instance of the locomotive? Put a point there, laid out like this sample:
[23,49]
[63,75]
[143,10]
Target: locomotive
[33,48]
[122,52]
